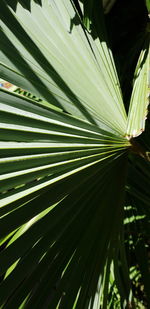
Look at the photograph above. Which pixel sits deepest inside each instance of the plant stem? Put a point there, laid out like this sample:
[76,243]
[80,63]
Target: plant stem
[139,150]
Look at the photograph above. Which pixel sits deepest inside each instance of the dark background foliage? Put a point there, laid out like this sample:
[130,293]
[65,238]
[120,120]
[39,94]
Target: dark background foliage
[126,24]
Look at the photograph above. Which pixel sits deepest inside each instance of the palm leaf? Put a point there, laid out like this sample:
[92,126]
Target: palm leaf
[53,69]
[148,5]
[54,165]
[140,95]
[61,187]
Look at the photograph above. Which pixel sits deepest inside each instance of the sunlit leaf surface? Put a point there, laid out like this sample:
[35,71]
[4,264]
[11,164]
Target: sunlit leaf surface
[63,161]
